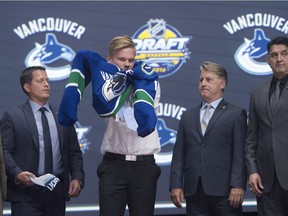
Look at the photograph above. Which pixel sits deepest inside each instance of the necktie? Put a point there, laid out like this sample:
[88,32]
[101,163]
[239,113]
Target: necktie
[205,118]
[275,97]
[47,142]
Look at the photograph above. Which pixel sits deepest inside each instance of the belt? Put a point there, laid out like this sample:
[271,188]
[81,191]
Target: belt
[114,156]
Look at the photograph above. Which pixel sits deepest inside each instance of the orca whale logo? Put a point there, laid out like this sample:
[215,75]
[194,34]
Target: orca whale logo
[114,87]
[249,53]
[50,52]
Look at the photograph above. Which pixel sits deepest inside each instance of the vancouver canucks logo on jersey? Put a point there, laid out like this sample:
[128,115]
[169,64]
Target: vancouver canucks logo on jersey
[48,54]
[161,46]
[249,54]
[114,87]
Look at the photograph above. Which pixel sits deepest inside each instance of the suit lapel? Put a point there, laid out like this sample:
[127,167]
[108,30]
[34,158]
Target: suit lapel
[31,122]
[197,119]
[222,106]
[265,99]
[283,99]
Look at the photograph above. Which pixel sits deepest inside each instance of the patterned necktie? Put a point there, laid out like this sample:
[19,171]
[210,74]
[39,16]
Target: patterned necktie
[47,143]
[205,118]
[275,97]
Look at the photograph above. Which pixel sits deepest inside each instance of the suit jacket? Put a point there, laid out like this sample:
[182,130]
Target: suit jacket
[266,149]
[21,150]
[3,178]
[218,156]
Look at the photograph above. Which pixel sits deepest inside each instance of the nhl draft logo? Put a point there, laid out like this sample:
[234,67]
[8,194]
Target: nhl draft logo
[48,53]
[248,56]
[161,46]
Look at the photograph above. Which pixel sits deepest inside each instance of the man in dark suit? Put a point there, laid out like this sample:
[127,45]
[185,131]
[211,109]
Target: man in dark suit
[266,148]
[208,158]
[24,147]
[3,179]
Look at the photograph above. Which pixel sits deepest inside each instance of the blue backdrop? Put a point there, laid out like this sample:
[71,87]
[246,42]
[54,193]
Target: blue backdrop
[174,37]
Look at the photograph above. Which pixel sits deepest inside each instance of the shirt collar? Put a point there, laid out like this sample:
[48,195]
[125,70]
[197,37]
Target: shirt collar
[282,81]
[214,104]
[35,107]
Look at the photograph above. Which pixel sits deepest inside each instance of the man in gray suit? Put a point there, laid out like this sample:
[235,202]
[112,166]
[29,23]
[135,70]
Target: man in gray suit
[208,158]
[24,146]
[266,149]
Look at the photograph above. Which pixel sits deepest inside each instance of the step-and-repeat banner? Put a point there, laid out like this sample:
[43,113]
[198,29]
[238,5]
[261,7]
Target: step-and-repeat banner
[173,37]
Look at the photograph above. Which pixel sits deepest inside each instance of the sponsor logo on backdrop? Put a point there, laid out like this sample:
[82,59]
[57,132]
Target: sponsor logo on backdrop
[162,46]
[51,52]
[82,131]
[251,53]
[167,131]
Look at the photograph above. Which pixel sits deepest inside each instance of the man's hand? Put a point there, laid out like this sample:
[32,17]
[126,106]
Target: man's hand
[75,188]
[255,184]
[236,197]
[23,178]
[177,197]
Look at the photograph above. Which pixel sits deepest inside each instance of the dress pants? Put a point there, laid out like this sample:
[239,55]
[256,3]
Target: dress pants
[201,204]
[131,183]
[43,203]
[274,202]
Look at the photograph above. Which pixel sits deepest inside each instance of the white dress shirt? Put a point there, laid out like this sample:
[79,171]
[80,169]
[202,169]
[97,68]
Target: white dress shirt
[214,105]
[121,137]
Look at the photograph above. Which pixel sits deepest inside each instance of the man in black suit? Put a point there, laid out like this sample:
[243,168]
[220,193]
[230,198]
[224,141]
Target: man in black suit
[266,149]
[208,158]
[25,155]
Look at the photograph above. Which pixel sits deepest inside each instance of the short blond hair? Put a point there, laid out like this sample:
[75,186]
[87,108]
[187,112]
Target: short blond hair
[119,43]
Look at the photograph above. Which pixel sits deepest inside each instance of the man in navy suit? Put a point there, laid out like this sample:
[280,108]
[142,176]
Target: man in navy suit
[207,168]
[24,152]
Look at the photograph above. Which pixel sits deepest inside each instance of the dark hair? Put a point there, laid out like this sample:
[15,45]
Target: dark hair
[277,40]
[27,75]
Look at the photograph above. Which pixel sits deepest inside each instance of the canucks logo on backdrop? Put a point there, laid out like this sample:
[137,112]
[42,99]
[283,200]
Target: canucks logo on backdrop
[49,52]
[53,54]
[250,52]
[166,131]
[250,55]
[56,56]
[161,46]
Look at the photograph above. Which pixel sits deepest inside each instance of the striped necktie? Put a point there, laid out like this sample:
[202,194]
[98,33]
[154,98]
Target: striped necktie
[205,118]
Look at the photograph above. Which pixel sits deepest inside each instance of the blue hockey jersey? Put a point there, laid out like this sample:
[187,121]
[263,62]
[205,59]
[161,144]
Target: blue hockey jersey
[110,88]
